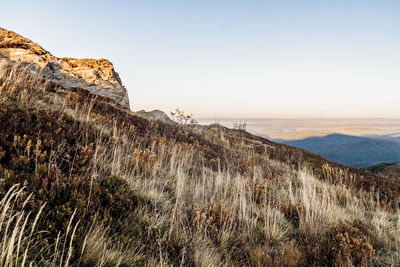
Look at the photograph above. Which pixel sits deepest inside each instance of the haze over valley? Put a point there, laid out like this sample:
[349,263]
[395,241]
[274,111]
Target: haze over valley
[296,129]
[354,142]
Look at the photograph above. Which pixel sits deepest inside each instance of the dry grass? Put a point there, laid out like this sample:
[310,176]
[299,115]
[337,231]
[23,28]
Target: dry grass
[100,250]
[20,234]
[239,208]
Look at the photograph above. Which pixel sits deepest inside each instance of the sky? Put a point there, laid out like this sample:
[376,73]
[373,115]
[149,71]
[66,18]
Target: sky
[289,59]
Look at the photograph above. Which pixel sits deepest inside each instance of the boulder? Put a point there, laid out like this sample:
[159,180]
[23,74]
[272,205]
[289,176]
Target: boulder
[94,75]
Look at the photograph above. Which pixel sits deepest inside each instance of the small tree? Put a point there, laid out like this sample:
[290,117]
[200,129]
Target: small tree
[240,125]
[180,117]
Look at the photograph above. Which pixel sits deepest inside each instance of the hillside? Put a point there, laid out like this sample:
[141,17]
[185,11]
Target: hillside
[388,169]
[86,182]
[353,151]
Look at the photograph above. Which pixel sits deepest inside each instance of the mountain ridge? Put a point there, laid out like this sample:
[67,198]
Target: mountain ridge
[356,151]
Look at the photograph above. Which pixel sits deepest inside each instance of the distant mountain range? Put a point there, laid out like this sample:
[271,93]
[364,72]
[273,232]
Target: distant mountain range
[356,151]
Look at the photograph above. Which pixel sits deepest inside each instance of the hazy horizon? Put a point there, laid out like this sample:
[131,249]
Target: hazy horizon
[232,58]
[295,129]
[287,118]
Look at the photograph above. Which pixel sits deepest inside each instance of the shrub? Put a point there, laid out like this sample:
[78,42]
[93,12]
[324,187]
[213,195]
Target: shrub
[212,218]
[180,117]
[292,212]
[350,246]
[144,160]
[257,191]
[290,256]
[241,125]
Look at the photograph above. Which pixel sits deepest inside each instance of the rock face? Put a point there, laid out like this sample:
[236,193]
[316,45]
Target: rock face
[94,75]
[154,115]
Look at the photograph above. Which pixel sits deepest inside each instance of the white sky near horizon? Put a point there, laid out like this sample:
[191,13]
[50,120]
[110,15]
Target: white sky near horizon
[294,59]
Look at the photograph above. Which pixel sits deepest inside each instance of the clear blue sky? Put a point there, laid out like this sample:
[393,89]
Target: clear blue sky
[232,58]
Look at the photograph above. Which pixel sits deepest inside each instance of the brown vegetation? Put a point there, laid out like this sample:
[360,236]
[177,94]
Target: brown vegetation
[86,183]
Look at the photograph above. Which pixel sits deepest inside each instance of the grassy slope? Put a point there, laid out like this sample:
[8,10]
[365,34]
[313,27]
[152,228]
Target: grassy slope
[389,170]
[108,188]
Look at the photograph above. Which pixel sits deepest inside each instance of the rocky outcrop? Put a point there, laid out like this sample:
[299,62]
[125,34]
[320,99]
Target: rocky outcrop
[154,115]
[94,75]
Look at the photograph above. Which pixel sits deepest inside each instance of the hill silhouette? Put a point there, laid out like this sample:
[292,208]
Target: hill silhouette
[353,151]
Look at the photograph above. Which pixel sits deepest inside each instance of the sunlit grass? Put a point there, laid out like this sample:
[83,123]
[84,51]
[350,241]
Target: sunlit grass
[232,205]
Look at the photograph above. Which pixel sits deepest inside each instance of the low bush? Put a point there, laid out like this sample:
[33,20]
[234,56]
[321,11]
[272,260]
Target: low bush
[350,247]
